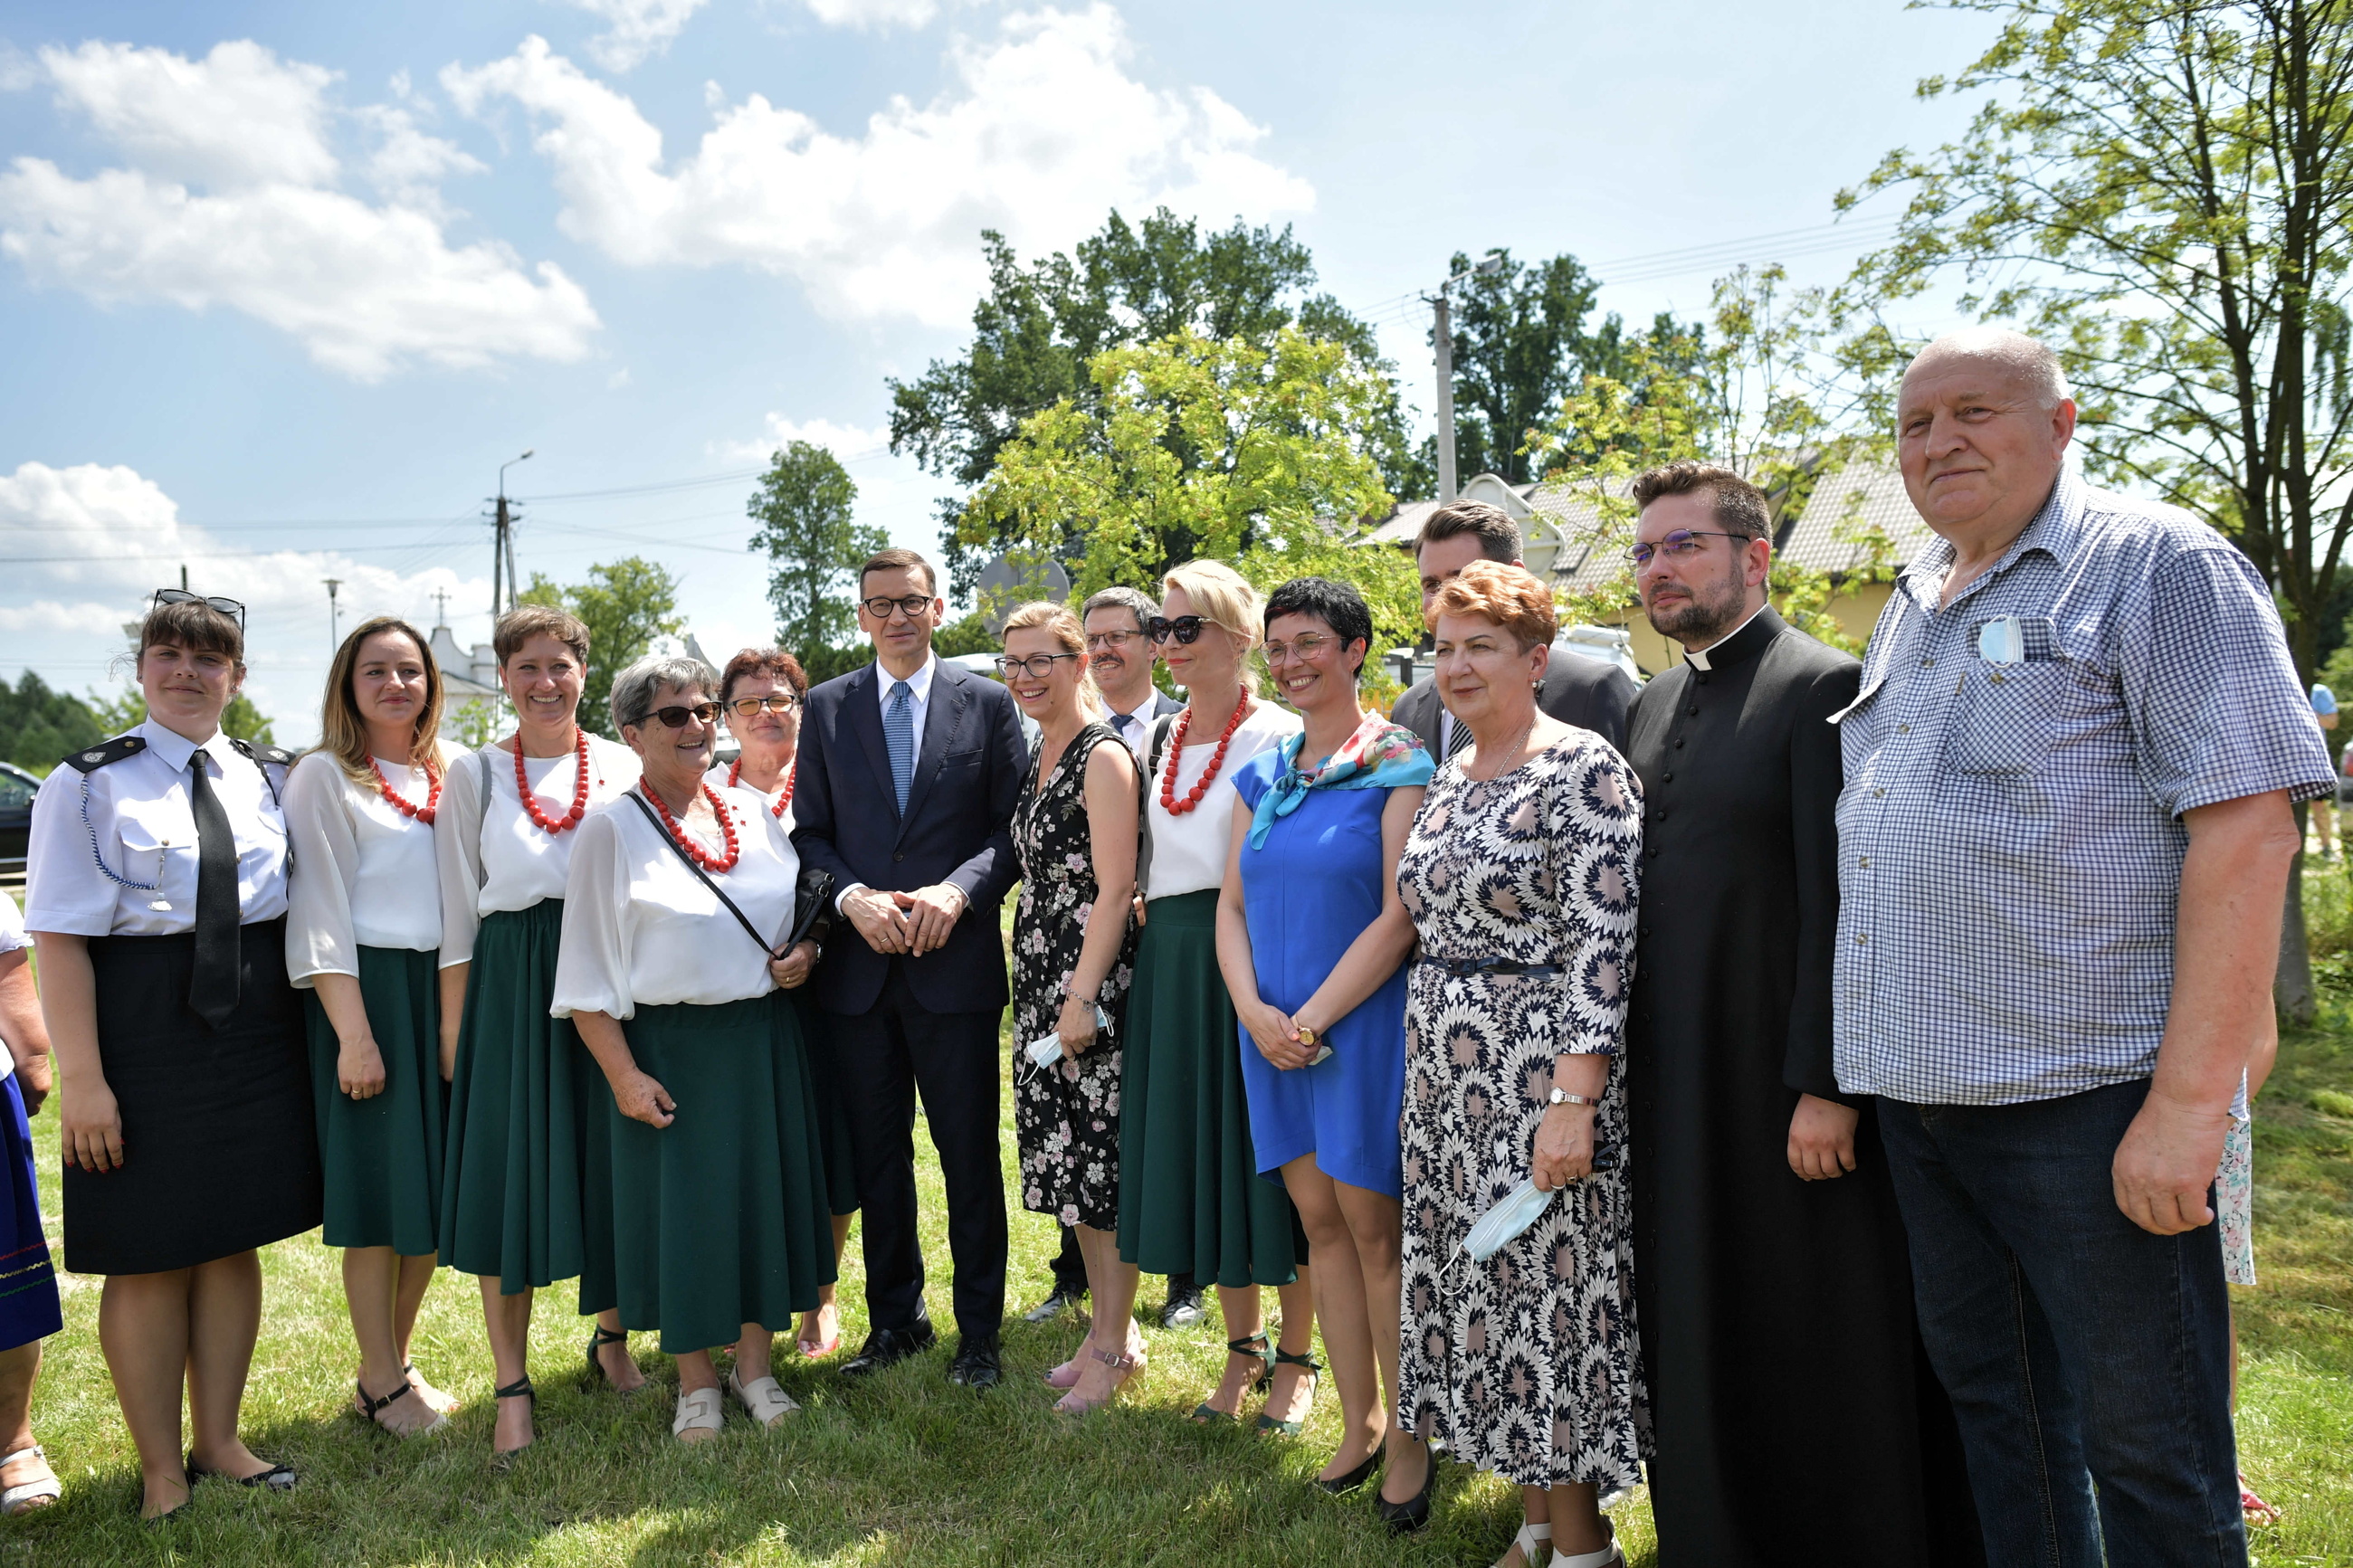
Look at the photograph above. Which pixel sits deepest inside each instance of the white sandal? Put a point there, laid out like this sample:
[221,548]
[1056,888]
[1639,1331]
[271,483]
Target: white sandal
[763,1398]
[1608,1557]
[20,1498]
[699,1411]
[1534,1544]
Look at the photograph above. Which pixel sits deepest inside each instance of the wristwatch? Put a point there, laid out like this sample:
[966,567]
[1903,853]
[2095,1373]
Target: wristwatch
[1307,1034]
[1562,1096]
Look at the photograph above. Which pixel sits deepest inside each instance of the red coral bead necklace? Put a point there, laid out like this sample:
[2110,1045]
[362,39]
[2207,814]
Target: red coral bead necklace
[735,777]
[701,857]
[552,825]
[1168,801]
[408,808]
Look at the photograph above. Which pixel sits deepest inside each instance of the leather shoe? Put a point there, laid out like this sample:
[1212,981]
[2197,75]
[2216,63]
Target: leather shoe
[1064,1299]
[976,1363]
[884,1347]
[1184,1309]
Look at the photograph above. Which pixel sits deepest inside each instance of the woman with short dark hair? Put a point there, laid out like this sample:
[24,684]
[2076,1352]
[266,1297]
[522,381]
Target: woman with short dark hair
[155,891]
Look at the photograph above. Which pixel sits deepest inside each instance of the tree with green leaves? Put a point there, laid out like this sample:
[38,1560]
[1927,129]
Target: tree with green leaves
[624,605]
[40,727]
[805,507]
[2165,194]
[240,721]
[1256,454]
[1039,327]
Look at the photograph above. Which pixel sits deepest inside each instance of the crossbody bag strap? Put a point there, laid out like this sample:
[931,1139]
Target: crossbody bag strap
[700,875]
[1156,748]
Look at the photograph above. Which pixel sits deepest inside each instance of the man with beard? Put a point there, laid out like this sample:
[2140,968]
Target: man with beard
[1788,1396]
[1120,655]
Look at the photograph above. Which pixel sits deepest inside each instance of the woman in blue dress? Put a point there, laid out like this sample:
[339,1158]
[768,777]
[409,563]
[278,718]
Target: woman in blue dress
[1312,942]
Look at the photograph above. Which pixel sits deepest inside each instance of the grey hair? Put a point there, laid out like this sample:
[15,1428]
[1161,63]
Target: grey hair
[634,689]
[2030,357]
[1132,601]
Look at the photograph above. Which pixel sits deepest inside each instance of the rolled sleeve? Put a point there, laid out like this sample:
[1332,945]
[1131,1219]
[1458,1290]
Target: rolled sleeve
[2217,713]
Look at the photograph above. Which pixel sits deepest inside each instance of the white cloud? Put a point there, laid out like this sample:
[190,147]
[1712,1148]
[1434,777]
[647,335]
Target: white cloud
[229,199]
[874,14]
[844,441]
[1042,133]
[638,28]
[92,541]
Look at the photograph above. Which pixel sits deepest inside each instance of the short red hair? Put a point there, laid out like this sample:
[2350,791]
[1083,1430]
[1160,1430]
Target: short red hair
[1509,597]
[773,662]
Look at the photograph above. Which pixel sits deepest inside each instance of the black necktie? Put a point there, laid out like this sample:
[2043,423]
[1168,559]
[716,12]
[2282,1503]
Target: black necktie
[1458,735]
[212,992]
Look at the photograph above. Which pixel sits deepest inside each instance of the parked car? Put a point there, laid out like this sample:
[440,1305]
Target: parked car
[1610,645]
[18,788]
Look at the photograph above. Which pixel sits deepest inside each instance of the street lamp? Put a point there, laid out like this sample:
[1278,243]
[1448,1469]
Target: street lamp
[334,628]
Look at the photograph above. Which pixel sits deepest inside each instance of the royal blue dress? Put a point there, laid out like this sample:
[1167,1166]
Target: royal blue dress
[1309,890]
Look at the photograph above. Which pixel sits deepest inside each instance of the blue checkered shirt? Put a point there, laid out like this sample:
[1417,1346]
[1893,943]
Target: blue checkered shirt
[2010,834]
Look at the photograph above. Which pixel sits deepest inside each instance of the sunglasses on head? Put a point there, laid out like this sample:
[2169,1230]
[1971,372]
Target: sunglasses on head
[228,607]
[676,717]
[1186,629]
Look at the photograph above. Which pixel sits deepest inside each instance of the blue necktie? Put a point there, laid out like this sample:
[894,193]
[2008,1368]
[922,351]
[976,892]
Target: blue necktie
[899,734]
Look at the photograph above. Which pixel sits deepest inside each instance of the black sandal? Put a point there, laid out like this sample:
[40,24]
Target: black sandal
[1256,1348]
[502,1460]
[1315,1375]
[597,1372]
[370,1409]
[276,1479]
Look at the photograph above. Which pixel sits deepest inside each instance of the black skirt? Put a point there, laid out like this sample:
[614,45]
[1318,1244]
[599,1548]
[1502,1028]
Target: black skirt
[220,1150]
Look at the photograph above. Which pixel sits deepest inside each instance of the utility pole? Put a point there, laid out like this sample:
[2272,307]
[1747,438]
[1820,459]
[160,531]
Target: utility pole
[502,542]
[334,627]
[1445,340]
[440,607]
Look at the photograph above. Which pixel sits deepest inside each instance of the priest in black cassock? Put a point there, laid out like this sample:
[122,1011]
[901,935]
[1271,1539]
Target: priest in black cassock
[1787,1393]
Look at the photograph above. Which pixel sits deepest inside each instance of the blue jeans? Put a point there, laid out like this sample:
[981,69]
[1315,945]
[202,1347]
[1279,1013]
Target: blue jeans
[2088,1361]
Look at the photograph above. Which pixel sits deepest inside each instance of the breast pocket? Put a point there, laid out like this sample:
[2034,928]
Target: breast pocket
[146,832]
[954,759]
[2011,715]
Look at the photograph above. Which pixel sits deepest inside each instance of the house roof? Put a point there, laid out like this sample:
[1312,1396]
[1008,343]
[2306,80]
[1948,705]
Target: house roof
[1852,508]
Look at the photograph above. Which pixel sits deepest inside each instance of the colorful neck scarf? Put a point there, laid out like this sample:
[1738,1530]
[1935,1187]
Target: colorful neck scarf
[1379,755]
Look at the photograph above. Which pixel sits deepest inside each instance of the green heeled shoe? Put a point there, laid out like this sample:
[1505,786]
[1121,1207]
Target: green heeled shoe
[1257,1348]
[1315,1375]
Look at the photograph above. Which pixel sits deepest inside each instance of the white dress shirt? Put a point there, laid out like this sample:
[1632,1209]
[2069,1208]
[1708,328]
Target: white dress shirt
[13,938]
[121,861]
[501,859]
[641,930]
[918,694]
[364,872]
[1188,852]
[1135,727]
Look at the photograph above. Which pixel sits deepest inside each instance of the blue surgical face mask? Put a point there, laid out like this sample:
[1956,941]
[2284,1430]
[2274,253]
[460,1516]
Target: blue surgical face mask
[1045,1050]
[1502,1224]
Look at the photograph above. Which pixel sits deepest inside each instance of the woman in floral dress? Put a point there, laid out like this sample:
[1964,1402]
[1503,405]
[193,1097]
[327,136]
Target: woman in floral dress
[1074,957]
[1521,877]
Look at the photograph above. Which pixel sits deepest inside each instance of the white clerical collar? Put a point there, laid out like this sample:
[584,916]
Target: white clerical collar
[1697,657]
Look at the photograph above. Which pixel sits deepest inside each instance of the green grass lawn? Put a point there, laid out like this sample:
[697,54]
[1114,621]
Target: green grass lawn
[911,1470]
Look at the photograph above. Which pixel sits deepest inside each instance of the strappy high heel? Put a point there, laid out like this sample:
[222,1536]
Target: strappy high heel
[597,1372]
[502,1460]
[1255,1347]
[1125,1366]
[1315,1375]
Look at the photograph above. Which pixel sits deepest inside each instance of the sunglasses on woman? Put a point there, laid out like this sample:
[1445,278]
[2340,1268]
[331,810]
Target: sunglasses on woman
[1186,629]
[228,607]
[677,718]
[774,702]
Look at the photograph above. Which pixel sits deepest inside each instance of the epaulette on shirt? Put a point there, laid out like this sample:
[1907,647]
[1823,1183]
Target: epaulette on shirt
[114,751]
[263,752]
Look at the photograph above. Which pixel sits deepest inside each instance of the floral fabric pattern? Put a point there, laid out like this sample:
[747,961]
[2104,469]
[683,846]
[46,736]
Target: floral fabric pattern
[1065,1116]
[1529,1363]
[2235,1203]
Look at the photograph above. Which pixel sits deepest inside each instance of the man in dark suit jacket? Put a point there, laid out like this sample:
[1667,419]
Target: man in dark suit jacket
[1577,690]
[907,778]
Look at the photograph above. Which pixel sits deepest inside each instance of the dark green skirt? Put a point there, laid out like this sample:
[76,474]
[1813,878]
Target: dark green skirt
[382,1155]
[832,1118]
[720,1218]
[526,1187]
[1190,1197]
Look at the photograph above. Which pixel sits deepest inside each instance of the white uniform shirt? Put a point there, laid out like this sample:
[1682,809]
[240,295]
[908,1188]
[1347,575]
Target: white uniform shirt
[365,874]
[13,938]
[918,699]
[717,779]
[1188,852]
[504,861]
[641,930]
[139,828]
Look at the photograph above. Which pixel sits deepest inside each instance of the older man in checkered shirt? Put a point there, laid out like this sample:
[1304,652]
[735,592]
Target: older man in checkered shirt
[2063,845]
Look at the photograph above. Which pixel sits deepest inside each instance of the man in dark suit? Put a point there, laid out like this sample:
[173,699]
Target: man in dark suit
[1577,690]
[1120,655]
[908,775]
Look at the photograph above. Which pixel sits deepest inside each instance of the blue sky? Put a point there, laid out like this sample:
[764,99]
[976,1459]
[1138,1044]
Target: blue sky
[281,286]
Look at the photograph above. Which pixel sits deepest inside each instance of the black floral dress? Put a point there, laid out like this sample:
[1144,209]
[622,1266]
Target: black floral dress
[1529,1363]
[1066,1117]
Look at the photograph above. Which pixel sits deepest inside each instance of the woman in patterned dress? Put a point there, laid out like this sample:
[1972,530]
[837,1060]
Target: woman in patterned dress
[1521,877]
[1074,957]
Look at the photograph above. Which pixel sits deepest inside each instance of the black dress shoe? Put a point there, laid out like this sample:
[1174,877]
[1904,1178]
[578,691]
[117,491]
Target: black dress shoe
[885,1347]
[1413,1514]
[1184,1309]
[1064,1299]
[976,1363]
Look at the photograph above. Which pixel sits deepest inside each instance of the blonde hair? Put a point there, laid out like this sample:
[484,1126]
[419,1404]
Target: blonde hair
[1224,599]
[344,732]
[1059,623]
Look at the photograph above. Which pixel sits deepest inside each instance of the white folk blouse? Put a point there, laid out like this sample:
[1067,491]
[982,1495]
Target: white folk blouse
[717,779]
[120,858]
[641,930]
[500,858]
[364,873]
[1188,852]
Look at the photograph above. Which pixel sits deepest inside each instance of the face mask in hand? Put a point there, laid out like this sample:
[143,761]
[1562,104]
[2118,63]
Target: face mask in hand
[1046,1050]
[1501,1226]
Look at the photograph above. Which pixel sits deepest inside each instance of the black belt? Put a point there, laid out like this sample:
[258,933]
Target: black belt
[1469,966]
